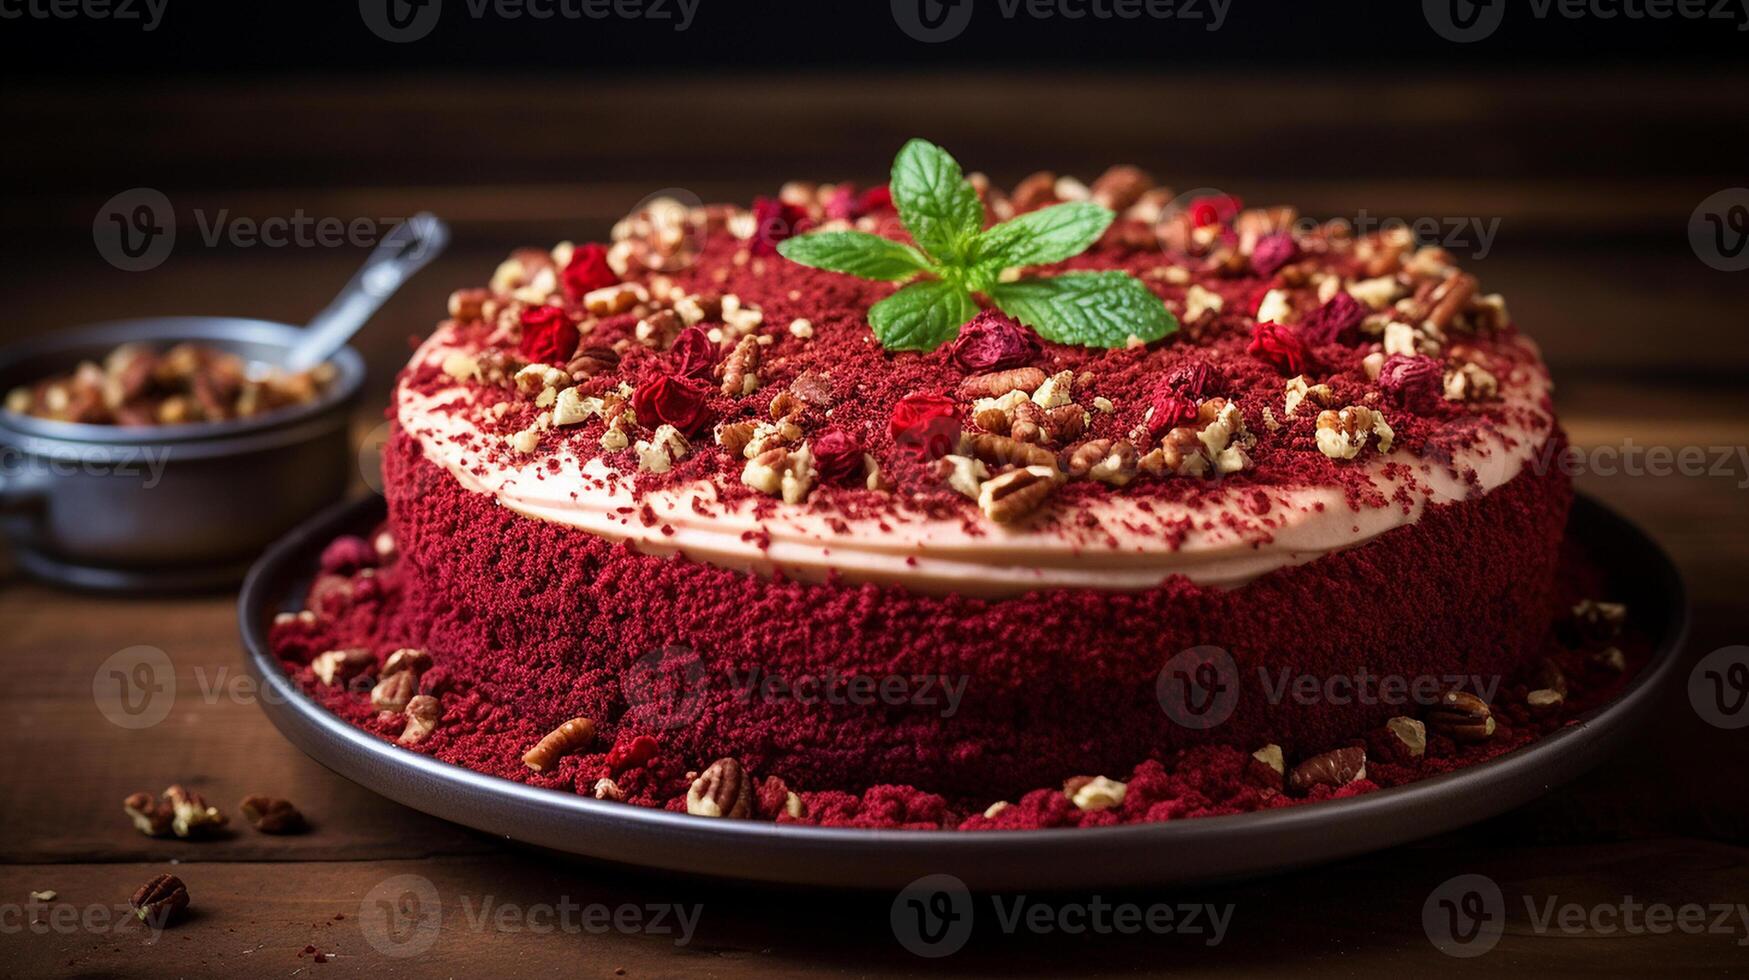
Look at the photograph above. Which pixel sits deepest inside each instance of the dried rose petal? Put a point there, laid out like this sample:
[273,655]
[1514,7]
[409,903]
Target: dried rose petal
[1336,322]
[837,456]
[673,401]
[548,335]
[1216,209]
[926,425]
[1171,410]
[587,272]
[993,341]
[1280,347]
[1196,379]
[1412,383]
[1272,252]
[774,221]
[694,354]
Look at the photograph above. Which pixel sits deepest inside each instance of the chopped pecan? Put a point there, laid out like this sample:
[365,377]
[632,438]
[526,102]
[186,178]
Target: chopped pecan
[1095,792]
[993,420]
[722,790]
[1121,186]
[1034,191]
[562,741]
[151,816]
[741,368]
[340,665]
[423,713]
[1450,299]
[160,901]
[995,384]
[271,815]
[1461,717]
[192,815]
[393,691]
[591,361]
[1338,767]
[1007,451]
[734,436]
[1016,494]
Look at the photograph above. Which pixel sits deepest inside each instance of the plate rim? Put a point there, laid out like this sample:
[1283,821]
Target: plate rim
[886,857]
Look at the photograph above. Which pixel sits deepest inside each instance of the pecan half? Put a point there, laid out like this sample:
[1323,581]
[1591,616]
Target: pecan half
[151,816]
[335,666]
[160,901]
[722,790]
[1007,451]
[192,815]
[998,383]
[393,691]
[1338,767]
[1016,494]
[558,743]
[1461,717]
[740,369]
[272,816]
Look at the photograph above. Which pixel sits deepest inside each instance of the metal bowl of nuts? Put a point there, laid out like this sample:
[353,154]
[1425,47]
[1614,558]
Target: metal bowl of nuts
[164,454]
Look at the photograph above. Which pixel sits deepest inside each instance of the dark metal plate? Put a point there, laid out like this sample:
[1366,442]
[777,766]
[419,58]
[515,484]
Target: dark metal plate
[1150,854]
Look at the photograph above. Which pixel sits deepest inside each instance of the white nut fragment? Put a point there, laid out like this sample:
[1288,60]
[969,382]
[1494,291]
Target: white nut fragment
[662,450]
[993,809]
[1225,440]
[965,474]
[1056,391]
[607,789]
[802,328]
[1377,293]
[570,408]
[1411,732]
[1103,405]
[615,438]
[461,367]
[615,299]
[535,377]
[1373,364]
[1342,435]
[780,472]
[1199,302]
[1470,382]
[1298,391]
[1275,307]
[1271,756]
[1408,341]
[739,317]
[526,441]
[1098,793]
[771,435]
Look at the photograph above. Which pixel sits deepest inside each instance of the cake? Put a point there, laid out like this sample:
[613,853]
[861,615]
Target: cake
[676,487]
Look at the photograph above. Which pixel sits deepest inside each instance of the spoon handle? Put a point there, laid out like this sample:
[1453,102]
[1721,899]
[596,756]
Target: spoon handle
[401,253]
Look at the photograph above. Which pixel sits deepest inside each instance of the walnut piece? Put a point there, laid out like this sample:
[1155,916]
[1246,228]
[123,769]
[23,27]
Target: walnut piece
[271,815]
[423,713]
[662,450]
[1095,793]
[1343,434]
[722,790]
[1016,494]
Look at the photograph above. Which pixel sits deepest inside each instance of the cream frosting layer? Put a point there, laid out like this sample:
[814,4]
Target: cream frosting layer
[1117,543]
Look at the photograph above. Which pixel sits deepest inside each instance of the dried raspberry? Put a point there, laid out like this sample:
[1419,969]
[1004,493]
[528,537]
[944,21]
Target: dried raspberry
[993,341]
[674,401]
[1171,410]
[1196,379]
[694,354]
[587,271]
[874,199]
[1412,383]
[1336,322]
[629,755]
[774,221]
[1279,346]
[347,554]
[926,425]
[548,335]
[1272,252]
[837,456]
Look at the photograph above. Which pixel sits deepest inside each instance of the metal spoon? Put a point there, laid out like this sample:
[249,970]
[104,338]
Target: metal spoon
[401,253]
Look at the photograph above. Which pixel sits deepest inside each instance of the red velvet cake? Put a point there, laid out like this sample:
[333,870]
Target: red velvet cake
[1103,512]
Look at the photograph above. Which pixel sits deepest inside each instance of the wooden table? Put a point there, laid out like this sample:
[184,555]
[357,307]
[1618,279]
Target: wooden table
[1645,339]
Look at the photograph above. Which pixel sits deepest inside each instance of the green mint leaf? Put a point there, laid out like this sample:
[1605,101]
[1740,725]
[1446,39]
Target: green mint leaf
[922,316]
[936,204]
[1039,237]
[1092,309]
[855,253]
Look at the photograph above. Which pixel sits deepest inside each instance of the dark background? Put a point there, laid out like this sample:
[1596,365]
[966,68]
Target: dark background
[1590,142]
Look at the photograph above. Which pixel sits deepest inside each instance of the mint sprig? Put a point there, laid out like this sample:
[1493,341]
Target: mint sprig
[944,216]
